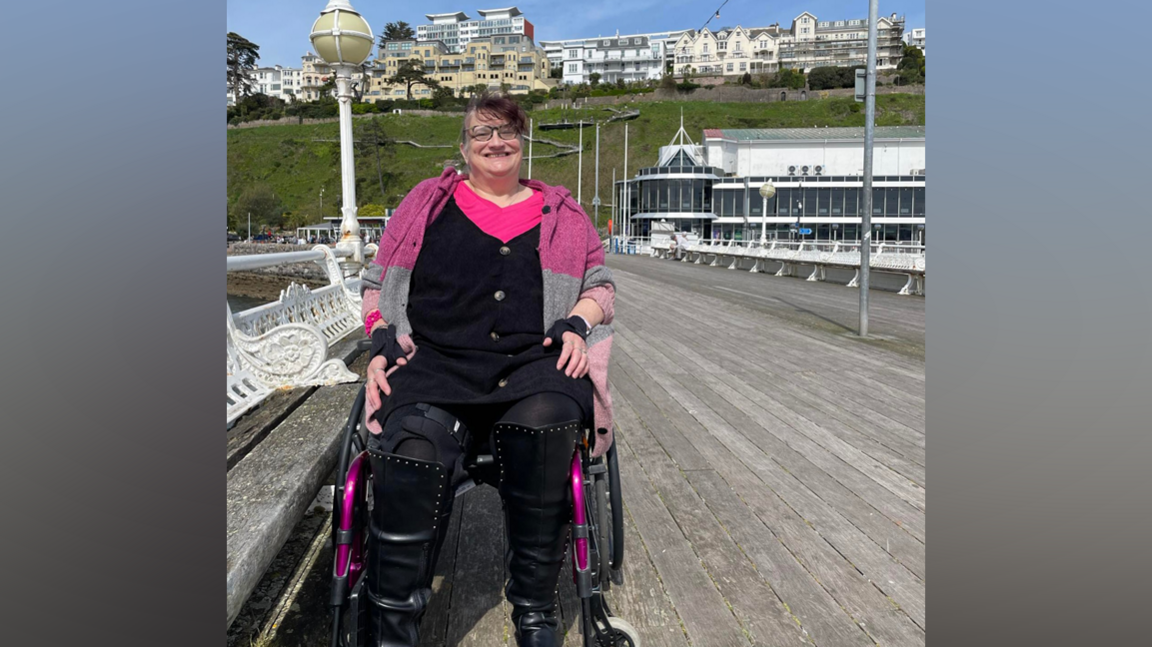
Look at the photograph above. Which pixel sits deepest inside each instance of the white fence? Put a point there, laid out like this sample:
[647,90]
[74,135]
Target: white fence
[894,258]
[284,344]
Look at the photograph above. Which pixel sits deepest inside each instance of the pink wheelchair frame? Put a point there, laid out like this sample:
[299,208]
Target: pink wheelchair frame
[597,536]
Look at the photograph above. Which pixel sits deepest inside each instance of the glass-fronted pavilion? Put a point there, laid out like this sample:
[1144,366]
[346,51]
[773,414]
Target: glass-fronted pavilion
[816,173]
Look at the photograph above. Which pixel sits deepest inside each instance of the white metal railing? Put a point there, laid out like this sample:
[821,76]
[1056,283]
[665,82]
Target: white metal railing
[284,344]
[633,245]
[896,258]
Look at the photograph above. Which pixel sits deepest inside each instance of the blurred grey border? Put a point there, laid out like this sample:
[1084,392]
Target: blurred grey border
[113,186]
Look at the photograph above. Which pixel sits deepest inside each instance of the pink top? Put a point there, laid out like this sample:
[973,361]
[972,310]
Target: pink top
[503,223]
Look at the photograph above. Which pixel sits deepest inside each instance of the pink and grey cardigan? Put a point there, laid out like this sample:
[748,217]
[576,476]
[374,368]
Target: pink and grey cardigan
[571,257]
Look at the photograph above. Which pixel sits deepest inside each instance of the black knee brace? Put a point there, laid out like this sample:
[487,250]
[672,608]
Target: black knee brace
[412,504]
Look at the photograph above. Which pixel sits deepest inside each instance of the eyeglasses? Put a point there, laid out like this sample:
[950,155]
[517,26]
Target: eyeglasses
[484,133]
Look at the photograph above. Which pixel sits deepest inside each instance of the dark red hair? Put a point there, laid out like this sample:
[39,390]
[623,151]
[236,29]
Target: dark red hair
[495,104]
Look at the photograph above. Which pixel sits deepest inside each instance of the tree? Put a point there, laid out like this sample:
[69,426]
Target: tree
[746,79]
[371,210]
[242,57]
[823,78]
[443,97]
[789,78]
[910,70]
[372,136]
[396,31]
[594,79]
[668,82]
[410,73]
[262,203]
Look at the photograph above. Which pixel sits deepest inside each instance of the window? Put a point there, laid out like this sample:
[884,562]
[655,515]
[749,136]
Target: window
[572,67]
[803,30]
[729,67]
[743,67]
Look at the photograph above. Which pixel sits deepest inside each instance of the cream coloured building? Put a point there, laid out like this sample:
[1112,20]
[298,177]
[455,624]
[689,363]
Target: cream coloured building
[511,59]
[809,43]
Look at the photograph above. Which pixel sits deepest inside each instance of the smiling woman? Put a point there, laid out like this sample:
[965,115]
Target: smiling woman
[488,304]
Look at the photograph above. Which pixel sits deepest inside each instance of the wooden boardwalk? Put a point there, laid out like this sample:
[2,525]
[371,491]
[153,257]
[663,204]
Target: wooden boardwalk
[772,465]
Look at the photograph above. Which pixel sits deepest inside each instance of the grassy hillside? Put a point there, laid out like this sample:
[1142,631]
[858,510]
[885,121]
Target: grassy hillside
[296,161]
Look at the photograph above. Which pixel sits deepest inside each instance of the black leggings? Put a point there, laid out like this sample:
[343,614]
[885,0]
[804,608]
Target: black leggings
[539,410]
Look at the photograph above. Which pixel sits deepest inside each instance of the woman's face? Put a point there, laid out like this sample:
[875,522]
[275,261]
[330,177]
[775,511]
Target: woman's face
[495,157]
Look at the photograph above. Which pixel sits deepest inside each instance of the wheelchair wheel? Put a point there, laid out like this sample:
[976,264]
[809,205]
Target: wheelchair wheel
[631,637]
[350,509]
[603,531]
[616,503]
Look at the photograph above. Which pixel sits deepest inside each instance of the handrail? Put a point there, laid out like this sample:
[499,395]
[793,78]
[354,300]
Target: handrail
[243,262]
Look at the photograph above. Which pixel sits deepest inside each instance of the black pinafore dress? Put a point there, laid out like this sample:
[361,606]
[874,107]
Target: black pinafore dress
[476,307]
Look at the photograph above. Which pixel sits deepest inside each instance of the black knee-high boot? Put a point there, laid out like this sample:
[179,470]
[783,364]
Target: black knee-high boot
[534,486]
[412,503]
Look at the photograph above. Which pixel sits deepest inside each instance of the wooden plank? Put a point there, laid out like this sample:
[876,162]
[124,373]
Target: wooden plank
[899,510]
[700,310]
[778,542]
[268,492]
[900,438]
[478,616]
[706,618]
[818,613]
[255,426]
[856,508]
[800,595]
[773,349]
[760,613]
[896,580]
[887,478]
[642,599]
[661,415]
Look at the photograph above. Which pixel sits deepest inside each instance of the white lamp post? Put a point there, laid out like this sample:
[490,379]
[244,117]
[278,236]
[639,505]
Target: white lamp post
[344,40]
[767,190]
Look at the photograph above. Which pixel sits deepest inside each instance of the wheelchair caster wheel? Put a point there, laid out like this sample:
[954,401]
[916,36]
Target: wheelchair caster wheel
[630,637]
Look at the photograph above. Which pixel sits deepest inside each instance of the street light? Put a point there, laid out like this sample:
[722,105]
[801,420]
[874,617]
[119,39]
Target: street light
[767,190]
[344,40]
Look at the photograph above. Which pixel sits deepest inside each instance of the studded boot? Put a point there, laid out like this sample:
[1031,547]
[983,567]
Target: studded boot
[412,503]
[535,488]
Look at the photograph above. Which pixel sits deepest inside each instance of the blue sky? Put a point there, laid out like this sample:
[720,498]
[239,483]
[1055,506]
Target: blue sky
[280,27]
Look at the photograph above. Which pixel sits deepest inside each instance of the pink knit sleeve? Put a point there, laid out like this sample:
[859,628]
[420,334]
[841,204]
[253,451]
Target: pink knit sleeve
[368,302]
[605,297]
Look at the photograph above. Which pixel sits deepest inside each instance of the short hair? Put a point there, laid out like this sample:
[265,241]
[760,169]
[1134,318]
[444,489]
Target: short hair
[497,104]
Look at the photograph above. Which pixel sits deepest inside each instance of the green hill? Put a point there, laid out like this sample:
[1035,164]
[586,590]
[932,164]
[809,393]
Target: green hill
[295,161]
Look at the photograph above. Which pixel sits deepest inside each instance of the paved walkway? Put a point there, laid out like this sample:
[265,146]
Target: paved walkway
[772,465]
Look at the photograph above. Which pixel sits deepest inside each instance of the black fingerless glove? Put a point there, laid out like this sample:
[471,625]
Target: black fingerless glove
[575,324]
[384,343]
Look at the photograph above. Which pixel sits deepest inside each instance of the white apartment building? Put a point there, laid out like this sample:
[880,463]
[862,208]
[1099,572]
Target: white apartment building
[729,52]
[632,57]
[314,74]
[807,44]
[456,30]
[915,37]
[280,82]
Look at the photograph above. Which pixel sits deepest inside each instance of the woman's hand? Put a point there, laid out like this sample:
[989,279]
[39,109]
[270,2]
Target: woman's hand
[386,353]
[574,350]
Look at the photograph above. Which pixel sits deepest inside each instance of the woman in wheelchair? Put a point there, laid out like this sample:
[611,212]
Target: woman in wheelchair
[488,305]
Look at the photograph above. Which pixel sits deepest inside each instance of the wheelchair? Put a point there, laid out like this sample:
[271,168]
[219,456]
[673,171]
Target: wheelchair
[596,538]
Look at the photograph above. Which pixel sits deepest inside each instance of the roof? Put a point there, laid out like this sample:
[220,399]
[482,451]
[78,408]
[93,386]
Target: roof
[458,15]
[512,11]
[782,134]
